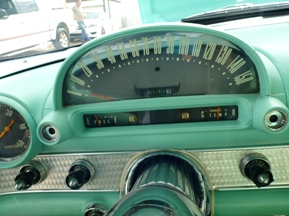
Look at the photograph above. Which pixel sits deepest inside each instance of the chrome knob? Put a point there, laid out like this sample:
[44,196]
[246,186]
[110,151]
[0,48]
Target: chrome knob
[74,182]
[20,185]
[263,178]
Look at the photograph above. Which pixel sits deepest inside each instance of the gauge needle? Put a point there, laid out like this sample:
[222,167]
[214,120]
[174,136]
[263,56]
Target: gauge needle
[6,129]
[102,96]
[218,112]
[96,118]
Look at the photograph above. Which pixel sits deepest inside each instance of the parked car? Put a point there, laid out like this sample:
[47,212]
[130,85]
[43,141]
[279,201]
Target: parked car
[28,23]
[97,23]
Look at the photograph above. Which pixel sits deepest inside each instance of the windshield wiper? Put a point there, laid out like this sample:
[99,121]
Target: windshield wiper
[239,11]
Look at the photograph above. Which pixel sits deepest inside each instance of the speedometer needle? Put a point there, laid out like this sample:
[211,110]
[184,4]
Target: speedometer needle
[102,96]
[6,129]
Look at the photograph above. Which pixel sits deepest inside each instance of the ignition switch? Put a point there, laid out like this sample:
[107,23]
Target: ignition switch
[256,167]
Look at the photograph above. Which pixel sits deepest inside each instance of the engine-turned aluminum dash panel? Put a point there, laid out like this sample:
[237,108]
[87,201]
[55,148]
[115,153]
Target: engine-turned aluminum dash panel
[222,167]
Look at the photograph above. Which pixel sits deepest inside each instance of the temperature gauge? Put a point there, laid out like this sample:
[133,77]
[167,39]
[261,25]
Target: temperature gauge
[219,113]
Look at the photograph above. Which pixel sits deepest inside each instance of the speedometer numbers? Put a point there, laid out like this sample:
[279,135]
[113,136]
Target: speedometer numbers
[15,136]
[160,64]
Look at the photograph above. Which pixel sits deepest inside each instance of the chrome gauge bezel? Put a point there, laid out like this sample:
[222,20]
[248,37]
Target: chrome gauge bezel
[34,147]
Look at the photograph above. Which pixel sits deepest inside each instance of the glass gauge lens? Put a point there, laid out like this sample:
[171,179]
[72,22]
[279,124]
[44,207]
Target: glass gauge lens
[159,64]
[15,135]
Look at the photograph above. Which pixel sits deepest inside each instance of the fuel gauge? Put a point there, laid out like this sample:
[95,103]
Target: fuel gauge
[110,119]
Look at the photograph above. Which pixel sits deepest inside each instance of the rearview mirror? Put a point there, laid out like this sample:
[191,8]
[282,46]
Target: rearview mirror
[3,14]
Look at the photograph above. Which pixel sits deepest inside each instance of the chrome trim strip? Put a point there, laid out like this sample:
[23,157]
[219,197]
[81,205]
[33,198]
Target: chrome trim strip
[59,191]
[251,188]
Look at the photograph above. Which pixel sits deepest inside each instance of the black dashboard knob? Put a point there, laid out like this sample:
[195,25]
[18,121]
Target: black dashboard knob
[79,174]
[25,179]
[30,174]
[76,179]
[256,167]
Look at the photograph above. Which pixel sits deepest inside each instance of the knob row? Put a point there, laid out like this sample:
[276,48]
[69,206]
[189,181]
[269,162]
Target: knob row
[80,173]
[254,166]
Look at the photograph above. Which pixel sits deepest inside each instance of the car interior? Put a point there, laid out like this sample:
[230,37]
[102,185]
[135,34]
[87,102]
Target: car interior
[174,118]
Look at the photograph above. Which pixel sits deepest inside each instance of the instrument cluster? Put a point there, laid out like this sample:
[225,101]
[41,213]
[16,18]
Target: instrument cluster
[158,79]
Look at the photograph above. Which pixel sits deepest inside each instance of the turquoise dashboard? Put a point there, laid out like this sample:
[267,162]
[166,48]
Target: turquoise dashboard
[174,118]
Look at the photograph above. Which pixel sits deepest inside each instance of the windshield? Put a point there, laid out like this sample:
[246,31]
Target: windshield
[32,27]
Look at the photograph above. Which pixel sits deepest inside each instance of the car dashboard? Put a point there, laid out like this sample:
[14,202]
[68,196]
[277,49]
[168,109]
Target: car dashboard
[171,119]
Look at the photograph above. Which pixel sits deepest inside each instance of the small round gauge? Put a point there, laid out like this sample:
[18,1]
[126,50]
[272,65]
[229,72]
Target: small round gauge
[15,135]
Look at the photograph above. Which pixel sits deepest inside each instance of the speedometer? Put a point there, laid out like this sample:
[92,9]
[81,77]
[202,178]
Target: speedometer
[159,63]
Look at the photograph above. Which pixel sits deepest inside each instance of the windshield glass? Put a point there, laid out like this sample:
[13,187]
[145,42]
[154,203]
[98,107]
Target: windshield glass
[32,27]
